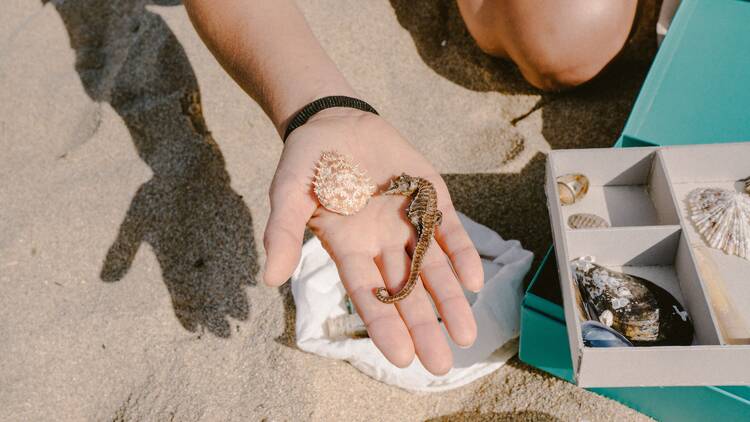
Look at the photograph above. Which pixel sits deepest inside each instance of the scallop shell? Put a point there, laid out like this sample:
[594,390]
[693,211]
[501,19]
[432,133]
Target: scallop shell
[587,221]
[722,217]
[646,314]
[340,185]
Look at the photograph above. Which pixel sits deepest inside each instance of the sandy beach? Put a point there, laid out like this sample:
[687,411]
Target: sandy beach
[131,243]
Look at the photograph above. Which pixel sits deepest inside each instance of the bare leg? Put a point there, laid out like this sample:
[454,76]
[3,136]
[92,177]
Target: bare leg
[556,44]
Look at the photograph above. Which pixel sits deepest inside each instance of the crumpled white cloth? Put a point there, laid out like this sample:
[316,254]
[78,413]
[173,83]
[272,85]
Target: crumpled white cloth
[319,294]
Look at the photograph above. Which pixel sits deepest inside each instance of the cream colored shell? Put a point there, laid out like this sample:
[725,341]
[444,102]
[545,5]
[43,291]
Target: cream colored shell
[586,221]
[340,185]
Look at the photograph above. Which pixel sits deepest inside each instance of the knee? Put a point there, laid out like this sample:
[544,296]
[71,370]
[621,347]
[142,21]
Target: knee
[553,67]
[485,25]
[554,49]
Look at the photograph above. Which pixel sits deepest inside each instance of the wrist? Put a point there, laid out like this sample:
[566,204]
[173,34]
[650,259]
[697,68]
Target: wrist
[314,91]
[322,104]
[335,113]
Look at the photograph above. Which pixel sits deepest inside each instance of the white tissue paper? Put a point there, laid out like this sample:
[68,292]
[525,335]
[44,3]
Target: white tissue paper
[319,295]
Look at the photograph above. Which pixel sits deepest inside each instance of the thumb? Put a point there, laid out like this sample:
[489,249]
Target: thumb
[291,207]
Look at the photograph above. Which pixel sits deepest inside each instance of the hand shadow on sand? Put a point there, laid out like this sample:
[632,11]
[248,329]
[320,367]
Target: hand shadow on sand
[592,115]
[199,228]
[477,416]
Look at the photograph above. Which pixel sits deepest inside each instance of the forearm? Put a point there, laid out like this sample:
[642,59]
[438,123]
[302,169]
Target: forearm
[268,48]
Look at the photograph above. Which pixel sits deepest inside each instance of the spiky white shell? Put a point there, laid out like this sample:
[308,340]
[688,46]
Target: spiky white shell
[722,217]
[340,185]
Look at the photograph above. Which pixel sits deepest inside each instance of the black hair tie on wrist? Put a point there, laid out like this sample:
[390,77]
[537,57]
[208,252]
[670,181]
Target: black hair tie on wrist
[321,104]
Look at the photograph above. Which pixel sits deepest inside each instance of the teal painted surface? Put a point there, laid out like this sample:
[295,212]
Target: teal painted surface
[685,404]
[539,303]
[697,92]
[741,391]
[698,88]
[544,344]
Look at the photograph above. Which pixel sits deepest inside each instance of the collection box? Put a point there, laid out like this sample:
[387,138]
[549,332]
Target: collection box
[641,193]
[544,344]
[696,92]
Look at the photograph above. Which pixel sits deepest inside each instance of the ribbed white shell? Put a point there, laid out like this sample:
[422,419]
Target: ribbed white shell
[722,217]
[340,185]
[586,221]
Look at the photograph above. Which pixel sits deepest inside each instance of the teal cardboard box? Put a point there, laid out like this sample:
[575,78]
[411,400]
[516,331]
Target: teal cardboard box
[697,92]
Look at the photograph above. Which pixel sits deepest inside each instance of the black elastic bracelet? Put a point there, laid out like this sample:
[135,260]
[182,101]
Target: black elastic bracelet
[323,103]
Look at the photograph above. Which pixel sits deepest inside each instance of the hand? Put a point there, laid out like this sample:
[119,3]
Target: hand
[372,248]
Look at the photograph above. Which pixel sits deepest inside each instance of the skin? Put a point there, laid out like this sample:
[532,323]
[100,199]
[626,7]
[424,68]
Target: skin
[556,44]
[267,47]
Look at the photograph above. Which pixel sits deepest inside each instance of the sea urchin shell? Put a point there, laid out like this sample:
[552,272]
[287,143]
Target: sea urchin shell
[340,185]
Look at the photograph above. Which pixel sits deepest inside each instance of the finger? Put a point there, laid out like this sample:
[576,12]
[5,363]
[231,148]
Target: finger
[291,207]
[454,241]
[440,281]
[384,325]
[122,252]
[416,310]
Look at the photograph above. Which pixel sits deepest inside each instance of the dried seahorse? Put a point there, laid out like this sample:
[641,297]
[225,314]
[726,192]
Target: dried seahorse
[424,215]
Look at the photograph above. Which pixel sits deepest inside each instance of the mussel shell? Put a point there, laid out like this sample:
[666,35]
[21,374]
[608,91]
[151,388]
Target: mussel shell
[596,334]
[646,314]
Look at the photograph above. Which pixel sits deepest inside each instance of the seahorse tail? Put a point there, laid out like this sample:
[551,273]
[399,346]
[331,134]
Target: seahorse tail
[382,294]
[422,244]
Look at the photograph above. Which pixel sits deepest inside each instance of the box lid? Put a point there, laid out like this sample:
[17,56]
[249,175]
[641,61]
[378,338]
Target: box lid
[698,88]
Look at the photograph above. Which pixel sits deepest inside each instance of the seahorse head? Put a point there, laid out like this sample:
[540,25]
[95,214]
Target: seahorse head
[402,185]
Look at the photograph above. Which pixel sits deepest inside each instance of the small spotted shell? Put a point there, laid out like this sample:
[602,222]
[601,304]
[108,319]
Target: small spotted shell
[340,185]
[586,221]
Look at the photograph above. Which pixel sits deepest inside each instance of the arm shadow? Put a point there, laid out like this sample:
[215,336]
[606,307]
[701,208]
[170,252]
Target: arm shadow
[512,416]
[198,227]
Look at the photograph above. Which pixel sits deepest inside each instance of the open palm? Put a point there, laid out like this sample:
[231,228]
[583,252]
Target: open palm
[372,248]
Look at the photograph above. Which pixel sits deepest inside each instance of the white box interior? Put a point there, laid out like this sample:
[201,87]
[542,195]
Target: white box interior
[641,192]
[725,276]
[658,254]
[627,189]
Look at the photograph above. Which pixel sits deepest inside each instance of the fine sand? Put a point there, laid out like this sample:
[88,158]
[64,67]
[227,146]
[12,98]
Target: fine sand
[130,244]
